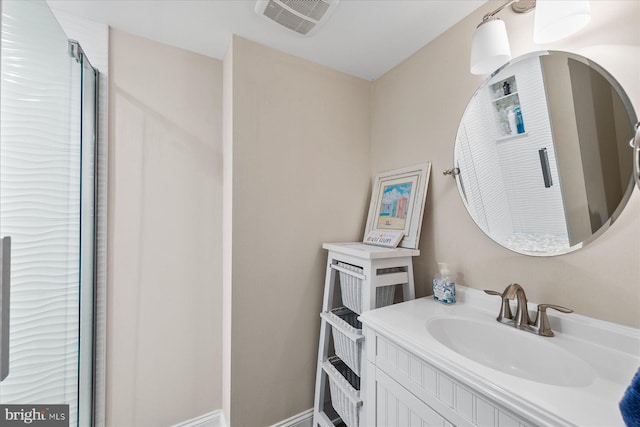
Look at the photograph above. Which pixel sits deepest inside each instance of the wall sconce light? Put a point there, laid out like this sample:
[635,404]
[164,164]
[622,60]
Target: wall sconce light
[557,19]
[554,19]
[489,46]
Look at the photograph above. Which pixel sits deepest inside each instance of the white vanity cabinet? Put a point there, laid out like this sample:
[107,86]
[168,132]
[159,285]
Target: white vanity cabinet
[432,364]
[409,391]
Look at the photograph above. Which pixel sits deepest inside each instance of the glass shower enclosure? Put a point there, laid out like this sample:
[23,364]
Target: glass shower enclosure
[47,214]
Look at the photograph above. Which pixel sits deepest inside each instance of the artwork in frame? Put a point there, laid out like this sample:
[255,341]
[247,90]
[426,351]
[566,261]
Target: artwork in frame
[397,202]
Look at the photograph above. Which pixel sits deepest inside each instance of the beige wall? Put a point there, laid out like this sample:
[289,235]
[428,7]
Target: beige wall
[300,140]
[164,264]
[416,110]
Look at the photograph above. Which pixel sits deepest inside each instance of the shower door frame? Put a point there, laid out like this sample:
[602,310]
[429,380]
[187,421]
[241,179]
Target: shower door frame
[91,395]
[87,393]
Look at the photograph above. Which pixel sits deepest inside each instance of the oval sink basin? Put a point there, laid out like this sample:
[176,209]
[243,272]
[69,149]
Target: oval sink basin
[512,351]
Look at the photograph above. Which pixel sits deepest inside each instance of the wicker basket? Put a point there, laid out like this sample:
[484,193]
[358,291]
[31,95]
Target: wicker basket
[344,386]
[346,330]
[351,288]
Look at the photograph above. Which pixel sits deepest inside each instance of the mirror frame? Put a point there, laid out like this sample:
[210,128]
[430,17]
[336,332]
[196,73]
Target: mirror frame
[633,118]
[635,143]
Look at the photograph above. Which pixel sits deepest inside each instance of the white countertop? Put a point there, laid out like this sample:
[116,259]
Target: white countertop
[613,351]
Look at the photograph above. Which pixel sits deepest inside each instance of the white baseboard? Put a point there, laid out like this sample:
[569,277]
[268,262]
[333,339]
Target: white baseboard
[216,419]
[211,419]
[303,419]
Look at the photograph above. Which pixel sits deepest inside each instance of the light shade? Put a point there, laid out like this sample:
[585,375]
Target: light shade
[489,47]
[556,19]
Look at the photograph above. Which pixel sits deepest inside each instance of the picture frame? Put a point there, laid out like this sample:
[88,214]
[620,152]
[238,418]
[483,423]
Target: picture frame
[397,202]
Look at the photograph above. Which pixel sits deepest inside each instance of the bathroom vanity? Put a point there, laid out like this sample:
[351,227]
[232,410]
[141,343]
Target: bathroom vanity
[432,364]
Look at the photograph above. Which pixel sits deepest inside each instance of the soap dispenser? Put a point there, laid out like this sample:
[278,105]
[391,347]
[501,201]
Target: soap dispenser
[444,285]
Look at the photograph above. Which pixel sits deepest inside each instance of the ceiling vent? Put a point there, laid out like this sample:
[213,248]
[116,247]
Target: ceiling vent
[302,16]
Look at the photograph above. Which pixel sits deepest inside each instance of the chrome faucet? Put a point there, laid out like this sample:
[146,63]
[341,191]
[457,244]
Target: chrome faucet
[522,312]
[540,325]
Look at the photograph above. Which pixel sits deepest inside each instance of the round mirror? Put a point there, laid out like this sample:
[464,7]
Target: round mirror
[543,153]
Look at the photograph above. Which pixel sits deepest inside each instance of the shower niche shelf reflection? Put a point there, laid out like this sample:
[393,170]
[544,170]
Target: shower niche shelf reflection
[505,99]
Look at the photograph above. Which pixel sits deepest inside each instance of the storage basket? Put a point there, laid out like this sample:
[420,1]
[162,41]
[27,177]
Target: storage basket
[351,288]
[344,386]
[346,330]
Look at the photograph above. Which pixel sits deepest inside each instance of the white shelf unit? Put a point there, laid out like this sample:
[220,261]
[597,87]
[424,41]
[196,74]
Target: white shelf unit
[367,275]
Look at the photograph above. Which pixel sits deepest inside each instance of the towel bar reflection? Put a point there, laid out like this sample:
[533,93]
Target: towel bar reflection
[546,169]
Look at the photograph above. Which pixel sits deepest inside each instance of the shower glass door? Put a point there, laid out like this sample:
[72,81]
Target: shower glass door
[47,128]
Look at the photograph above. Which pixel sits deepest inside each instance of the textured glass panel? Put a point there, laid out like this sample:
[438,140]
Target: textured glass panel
[40,204]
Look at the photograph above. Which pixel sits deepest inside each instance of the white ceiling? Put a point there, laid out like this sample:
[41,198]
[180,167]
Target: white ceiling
[365,38]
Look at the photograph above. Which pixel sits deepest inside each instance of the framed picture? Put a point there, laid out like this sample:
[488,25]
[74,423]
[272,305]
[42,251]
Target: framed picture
[397,202]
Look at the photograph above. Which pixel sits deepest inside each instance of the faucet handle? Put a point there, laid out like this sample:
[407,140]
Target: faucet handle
[543,308]
[542,321]
[505,310]
[492,292]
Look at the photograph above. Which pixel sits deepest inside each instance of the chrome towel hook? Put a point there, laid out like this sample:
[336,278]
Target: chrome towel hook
[452,172]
